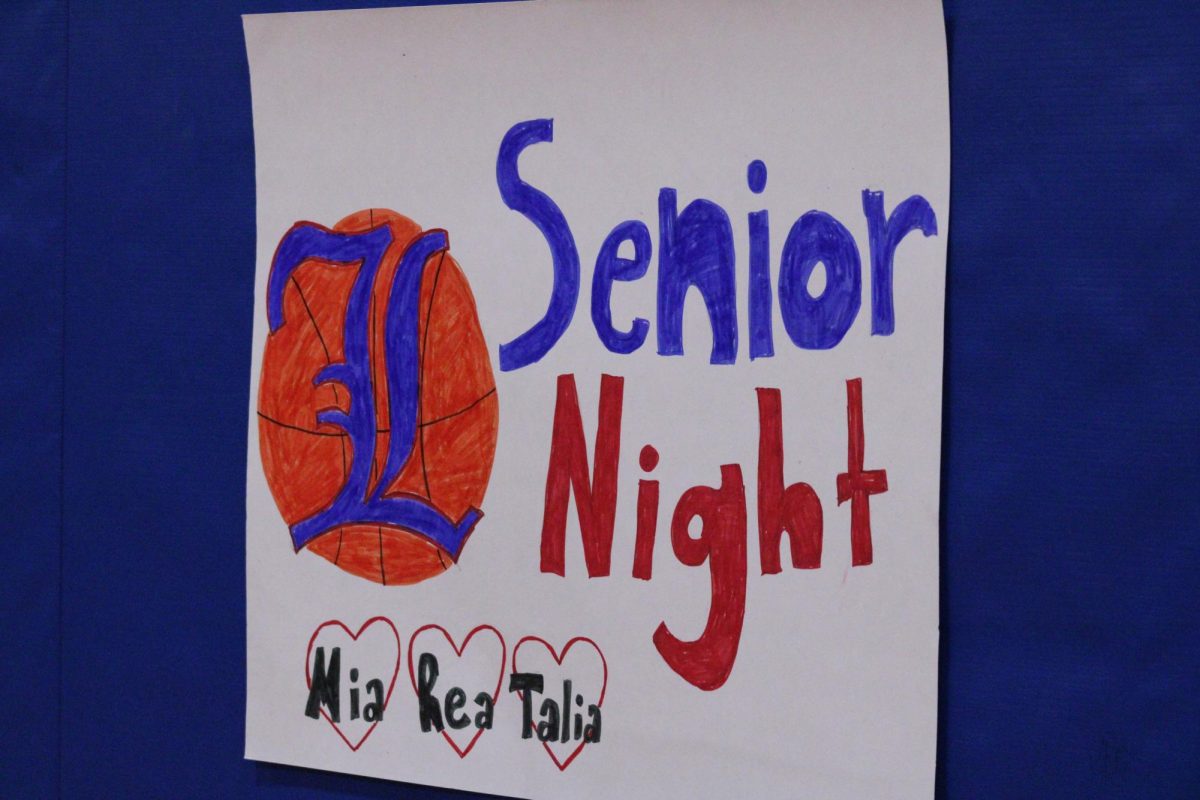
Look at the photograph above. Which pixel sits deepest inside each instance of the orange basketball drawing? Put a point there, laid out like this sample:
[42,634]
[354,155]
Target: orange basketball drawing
[377,405]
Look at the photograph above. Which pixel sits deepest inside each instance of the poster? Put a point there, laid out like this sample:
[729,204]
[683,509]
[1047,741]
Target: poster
[596,396]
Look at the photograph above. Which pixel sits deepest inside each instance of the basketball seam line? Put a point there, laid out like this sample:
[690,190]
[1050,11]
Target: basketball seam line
[421,373]
[462,410]
[431,422]
[421,388]
[374,468]
[328,360]
[317,328]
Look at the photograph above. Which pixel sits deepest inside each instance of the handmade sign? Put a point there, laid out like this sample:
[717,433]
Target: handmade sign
[596,396]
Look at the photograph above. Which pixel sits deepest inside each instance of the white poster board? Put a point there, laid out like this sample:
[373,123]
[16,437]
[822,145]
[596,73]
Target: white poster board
[601,343]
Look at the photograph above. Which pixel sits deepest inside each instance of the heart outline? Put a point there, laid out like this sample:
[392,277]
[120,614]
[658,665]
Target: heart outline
[354,638]
[458,651]
[562,765]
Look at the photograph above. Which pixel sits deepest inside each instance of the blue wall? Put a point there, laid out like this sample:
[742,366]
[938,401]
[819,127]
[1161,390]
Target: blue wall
[1071,506]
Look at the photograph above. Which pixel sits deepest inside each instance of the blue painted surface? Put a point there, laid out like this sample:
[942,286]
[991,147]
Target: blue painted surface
[1071,513]
[32,171]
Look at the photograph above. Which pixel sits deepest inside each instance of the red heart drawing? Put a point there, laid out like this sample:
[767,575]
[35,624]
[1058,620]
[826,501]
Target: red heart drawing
[353,637]
[458,651]
[562,765]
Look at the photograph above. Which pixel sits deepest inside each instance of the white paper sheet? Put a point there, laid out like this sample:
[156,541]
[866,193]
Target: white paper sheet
[831,690]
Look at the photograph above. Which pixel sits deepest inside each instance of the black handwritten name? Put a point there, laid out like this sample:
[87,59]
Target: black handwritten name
[324,690]
[452,703]
[557,721]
